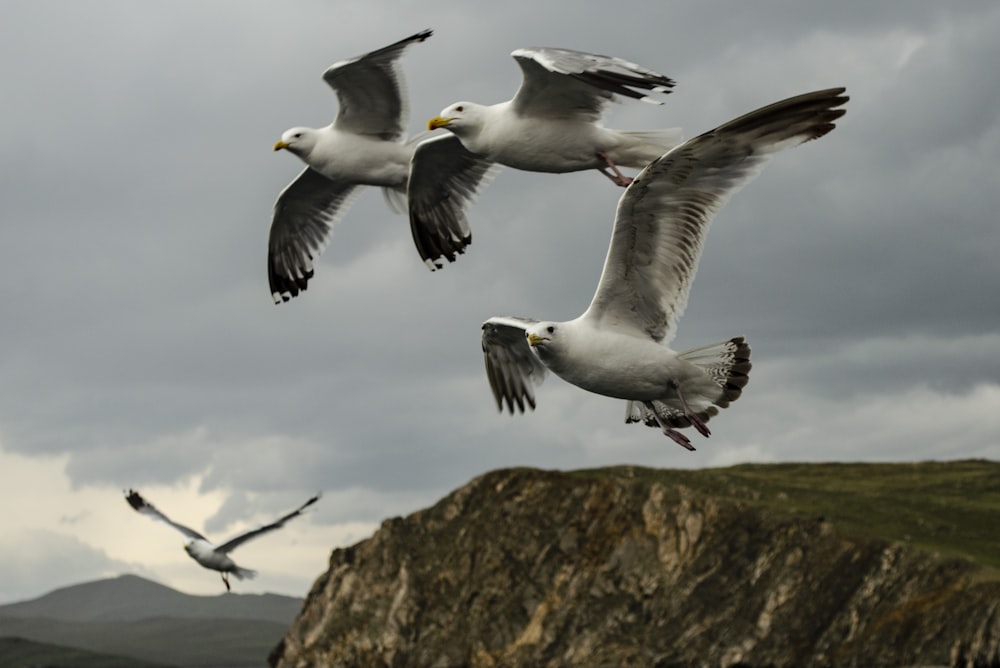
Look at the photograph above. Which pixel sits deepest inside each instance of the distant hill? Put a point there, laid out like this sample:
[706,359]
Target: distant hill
[23,653]
[131,598]
[784,565]
[136,618]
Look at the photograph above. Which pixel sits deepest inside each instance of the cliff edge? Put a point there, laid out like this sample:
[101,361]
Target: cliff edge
[746,566]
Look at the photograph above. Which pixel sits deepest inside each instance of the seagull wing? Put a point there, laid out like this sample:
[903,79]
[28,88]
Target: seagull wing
[444,178]
[301,225]
[143,507]
[513,370]
[236,541]
[560,83]
[664,215]
[371,92]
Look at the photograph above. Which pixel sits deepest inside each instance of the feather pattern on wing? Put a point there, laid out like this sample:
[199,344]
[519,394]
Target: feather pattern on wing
[664,215]
[372,100]
[444,178]
[143,507]
[562,83]
[303,219]
[512,369]
[236,541]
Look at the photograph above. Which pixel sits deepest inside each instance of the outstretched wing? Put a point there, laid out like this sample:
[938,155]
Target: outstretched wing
[371,92]
[236,541]
[301,226]
[512,369]
[143,507]
[664,215]
[560,83]
[444,178]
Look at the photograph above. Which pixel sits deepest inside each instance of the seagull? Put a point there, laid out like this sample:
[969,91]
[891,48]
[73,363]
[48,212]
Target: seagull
[551,125]
[364,146]
[201,550]
[617,348]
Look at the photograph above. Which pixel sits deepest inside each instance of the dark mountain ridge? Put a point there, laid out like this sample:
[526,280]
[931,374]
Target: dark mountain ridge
[130,616]
[131,598]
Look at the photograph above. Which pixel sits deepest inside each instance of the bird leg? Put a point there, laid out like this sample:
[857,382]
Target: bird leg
[696,421]
[678,438]
[225,580]
[616,176]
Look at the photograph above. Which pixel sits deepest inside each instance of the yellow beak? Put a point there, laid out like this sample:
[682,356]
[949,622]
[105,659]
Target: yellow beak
[280,145]
[438,122]
[534,339]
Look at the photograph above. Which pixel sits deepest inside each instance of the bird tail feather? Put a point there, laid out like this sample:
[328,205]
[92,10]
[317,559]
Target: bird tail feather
[727,363]
[244,573]
[658,140]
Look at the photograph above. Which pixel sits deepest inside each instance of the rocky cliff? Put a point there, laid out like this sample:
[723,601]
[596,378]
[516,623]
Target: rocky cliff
[634,567]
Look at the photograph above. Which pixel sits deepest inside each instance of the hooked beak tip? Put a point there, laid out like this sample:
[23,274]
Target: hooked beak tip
[438,122]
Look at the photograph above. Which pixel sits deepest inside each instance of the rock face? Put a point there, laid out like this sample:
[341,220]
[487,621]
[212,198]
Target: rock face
[617,568]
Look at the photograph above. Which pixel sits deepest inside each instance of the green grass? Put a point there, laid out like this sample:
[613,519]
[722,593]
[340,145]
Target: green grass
[948,507]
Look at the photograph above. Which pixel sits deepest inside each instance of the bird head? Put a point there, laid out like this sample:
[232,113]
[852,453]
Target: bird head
[450,118]
[541,336]
[296,140]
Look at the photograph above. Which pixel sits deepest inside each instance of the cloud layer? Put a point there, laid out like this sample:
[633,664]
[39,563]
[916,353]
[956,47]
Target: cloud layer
[141,348]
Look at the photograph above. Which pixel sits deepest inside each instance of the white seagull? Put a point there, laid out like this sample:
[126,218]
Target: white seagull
[551,125]
[201,550]
[364,146]
[617,347]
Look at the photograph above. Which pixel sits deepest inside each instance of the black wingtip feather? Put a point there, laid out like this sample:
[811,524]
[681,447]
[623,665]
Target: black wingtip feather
[135,500]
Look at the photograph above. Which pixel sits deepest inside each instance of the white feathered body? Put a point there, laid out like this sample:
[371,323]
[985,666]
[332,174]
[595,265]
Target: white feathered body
[359,159]
[624,366]
[553,144]
[205,554]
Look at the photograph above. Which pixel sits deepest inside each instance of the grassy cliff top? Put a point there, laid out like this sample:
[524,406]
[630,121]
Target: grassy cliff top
[948,507]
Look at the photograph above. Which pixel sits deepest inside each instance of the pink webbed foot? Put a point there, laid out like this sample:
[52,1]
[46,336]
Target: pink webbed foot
[678,438]
[696,421]
[615,175]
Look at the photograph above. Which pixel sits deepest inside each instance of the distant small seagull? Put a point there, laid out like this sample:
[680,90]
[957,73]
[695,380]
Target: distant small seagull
[201,550]
[616,348]
[363,147]
[551,125]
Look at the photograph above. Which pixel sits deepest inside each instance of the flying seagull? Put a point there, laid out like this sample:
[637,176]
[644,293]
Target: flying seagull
[364,146]
[201,550]
[617,347]
[551,125]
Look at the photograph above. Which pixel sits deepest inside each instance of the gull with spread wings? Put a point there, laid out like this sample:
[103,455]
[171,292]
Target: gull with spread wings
[204,552]
[617,348]
[551,125]
[364,146]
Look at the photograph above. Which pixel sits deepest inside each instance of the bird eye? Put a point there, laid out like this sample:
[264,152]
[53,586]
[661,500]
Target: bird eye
[550,329]
[297,135]
[460,108]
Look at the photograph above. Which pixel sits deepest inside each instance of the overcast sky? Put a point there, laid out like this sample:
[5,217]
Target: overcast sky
[141,348]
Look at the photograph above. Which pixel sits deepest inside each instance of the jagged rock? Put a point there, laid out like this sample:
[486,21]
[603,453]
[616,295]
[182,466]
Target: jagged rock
[617,568]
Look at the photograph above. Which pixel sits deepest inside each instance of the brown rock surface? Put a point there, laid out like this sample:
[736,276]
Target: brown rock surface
[629,567]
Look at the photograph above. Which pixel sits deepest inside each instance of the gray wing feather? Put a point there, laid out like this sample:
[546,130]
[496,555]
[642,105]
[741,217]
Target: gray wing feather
[562,83]
[664,215]
[512,369]
[301,225]
[143,507]
[371,93]
[444,179]
[236,541]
